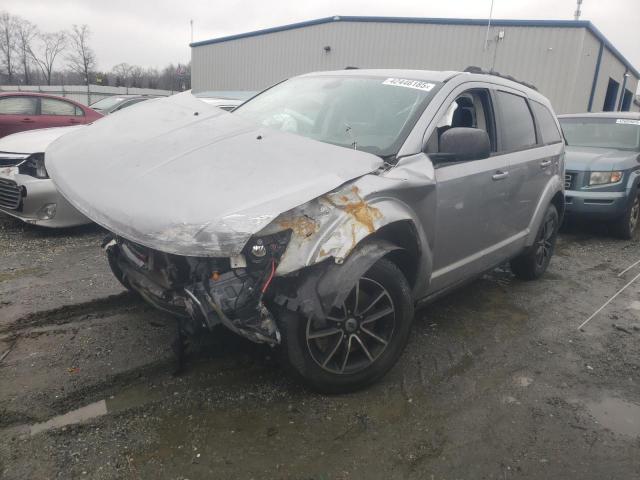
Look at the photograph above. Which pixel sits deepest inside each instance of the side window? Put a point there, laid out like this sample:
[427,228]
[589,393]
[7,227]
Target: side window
[51,106]
[79,112]
[472,109]
[18,105]
[517,127]
[546,123]
[129,103]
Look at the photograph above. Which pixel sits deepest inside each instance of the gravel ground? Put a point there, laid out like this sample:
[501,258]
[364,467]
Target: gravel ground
[496,382]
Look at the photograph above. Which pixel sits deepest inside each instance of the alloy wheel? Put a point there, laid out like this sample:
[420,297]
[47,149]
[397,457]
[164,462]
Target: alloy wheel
[544,245]
[355,334]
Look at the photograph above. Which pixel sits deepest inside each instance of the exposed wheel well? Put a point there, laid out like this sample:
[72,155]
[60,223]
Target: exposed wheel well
[404,235]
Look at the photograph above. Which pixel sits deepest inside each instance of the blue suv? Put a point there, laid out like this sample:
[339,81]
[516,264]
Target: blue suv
[602,163]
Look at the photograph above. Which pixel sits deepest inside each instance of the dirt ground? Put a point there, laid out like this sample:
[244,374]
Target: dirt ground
[497,382]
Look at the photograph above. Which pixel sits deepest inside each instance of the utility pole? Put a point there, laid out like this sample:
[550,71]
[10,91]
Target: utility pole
[578,12]
[486,37]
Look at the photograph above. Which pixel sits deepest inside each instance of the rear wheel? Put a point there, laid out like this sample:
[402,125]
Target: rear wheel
[626,226]
[532,264]
[358,341]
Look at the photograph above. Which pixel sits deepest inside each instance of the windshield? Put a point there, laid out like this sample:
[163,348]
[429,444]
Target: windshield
[107,103]
[366,113]
[618,133]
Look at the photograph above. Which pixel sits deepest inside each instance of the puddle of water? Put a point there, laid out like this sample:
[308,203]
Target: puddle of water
[124,400]
[617,415]
[82,414]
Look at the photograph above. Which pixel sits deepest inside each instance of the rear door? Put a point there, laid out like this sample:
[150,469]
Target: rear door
[471,196]
[59,113]
[17,113]
[530,157]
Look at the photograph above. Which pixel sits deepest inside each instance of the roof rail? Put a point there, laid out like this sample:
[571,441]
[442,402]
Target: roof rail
[472,69]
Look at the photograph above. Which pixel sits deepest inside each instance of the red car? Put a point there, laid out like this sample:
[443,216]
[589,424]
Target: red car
[21,111]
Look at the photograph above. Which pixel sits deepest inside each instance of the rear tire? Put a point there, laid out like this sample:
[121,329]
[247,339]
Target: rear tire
[626,226]
[533,262]
[357,343]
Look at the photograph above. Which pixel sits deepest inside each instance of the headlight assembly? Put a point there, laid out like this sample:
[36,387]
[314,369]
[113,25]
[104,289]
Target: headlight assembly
[261,249]
[34,166]
[604,178]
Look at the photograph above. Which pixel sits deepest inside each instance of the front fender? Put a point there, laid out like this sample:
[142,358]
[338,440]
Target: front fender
[333,225]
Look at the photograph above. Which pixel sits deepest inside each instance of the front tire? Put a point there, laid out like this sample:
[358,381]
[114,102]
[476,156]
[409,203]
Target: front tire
[533,262]
[359,341]
[626,226]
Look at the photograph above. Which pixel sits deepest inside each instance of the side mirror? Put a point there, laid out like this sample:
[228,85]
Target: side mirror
[461,144]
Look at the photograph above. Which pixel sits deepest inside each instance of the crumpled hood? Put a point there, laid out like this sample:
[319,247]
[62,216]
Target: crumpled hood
[596,159]
[184,177]
[34,141]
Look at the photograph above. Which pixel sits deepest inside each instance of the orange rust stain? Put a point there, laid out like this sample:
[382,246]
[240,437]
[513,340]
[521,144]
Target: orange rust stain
[363,213]
[302,226]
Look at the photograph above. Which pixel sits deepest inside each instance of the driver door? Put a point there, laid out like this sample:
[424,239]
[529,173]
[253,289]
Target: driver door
[471,196]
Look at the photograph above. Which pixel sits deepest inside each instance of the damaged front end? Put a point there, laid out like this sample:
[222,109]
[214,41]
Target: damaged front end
[206,291]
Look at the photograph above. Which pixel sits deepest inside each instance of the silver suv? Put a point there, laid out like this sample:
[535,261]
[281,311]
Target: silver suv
[319,214]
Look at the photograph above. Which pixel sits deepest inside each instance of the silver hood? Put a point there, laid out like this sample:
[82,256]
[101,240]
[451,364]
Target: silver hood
[184,177]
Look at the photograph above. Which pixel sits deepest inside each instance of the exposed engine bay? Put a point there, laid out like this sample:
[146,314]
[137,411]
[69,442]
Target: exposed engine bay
[206,292]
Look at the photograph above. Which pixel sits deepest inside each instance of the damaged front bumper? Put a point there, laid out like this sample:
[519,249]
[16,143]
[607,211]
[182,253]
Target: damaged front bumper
[36,201]
[205,292]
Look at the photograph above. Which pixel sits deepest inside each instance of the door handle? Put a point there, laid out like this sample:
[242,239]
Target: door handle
[545,163]
[500,175]
[27,120]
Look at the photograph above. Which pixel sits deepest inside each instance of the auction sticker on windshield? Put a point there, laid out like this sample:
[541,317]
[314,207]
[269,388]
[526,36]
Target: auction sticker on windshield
[403,82]
[628,121]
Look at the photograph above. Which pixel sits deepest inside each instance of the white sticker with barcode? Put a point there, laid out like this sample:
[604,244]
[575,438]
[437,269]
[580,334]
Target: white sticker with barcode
[628,121]
[403,82]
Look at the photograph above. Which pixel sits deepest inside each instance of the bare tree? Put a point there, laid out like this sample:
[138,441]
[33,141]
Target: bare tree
[26,33]
[48,47]
[82,59]
[137,76]
[8,41]
[122,72]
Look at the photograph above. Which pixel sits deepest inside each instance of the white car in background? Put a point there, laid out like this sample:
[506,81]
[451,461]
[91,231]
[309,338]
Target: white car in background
[26,191]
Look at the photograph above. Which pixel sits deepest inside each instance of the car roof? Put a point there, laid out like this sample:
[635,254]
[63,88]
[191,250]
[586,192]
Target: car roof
[630,115]
[42,95]
[435,76]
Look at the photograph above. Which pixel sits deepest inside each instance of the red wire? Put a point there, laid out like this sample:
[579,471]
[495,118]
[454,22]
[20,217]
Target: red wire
[273,271]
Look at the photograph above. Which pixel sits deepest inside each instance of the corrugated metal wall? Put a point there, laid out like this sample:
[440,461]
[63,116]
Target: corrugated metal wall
[559,61]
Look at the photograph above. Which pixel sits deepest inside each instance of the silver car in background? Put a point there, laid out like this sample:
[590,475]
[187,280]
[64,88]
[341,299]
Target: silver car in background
[26,191]
[319,213]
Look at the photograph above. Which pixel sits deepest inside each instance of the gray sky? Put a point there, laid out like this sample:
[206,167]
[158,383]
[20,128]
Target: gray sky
[154,33]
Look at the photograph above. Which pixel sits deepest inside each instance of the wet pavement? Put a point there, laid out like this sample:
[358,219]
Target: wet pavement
[496,382]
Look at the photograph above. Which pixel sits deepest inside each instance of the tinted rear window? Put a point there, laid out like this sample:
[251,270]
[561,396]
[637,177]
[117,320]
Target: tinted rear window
[518,130]
[547,124]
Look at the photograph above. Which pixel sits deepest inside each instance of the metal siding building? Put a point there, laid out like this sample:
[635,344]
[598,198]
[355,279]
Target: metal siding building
[570,62]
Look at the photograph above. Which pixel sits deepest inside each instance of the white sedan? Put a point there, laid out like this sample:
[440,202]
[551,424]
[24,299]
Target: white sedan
[26,191]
